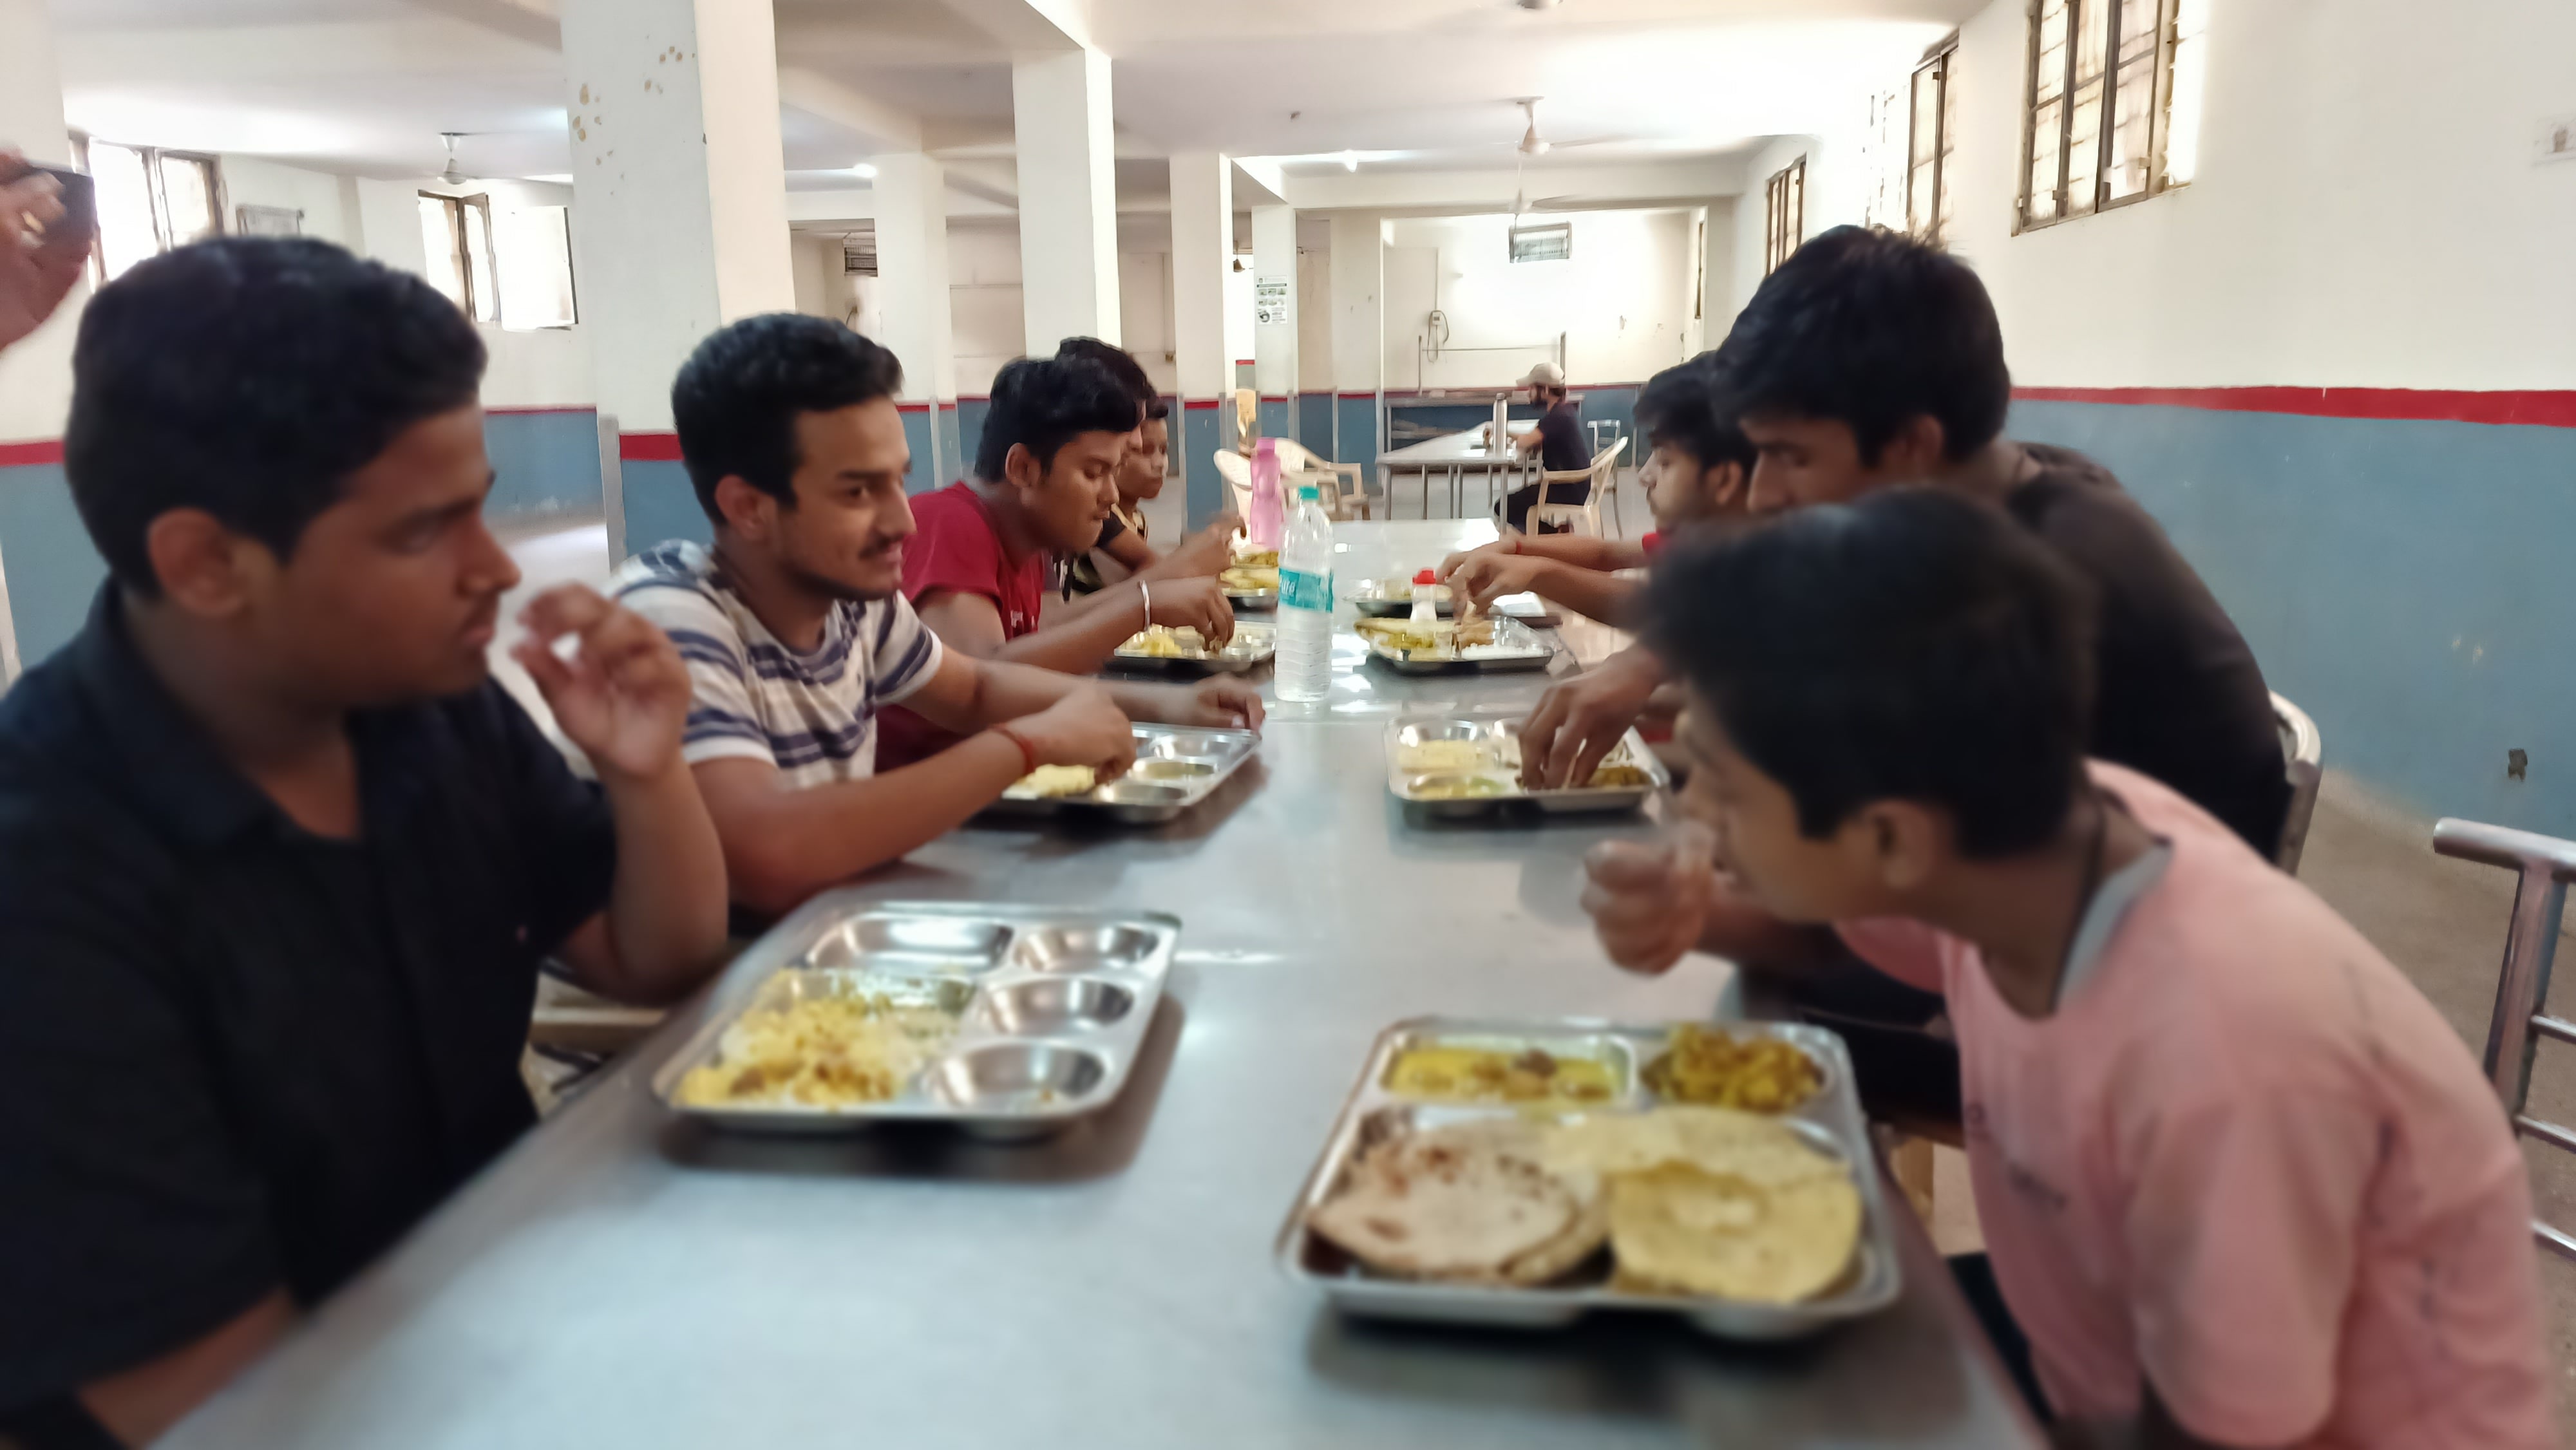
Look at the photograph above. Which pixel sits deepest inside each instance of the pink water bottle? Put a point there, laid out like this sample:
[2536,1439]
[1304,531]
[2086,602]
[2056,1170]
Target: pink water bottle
[1269,521]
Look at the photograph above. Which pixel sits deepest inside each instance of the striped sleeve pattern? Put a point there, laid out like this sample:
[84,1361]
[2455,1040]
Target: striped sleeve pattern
[723,720]
[903,653]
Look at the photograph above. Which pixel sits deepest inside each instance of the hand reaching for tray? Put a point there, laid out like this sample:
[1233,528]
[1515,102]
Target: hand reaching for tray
[1216,704]
[1084,728]
[1198,604]
[1650,901]
[1578,723]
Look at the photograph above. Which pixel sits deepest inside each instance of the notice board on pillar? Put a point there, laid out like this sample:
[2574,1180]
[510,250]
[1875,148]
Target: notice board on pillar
[1270,301]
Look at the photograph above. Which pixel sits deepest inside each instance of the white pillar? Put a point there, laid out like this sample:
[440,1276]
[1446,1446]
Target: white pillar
[1202,249]
[679,189]
[1359,348]
[1274,317]
[1068,198]
[913,315]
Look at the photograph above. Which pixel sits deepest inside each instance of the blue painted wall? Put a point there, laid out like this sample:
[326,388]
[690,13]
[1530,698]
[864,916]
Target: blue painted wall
[548,463]
[1315,422]
[1358,418]
[917,426]
[548,466]
[1203,488]
[2406,583]
[953,464]
[660,505]
[971,413]
[1274,418]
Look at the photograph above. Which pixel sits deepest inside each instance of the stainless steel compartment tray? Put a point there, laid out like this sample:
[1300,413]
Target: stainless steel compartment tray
[1253,646]
[1516,647]
[1831,1120]
[1176,768]
[1051,1006]
[1407,785]
[1375,600]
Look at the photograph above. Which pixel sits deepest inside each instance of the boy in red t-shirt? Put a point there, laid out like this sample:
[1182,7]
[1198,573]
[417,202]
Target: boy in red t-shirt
[2241,1185]
[976,567]
[1696,468]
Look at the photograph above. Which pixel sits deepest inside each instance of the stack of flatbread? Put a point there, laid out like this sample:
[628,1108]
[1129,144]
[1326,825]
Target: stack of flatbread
[1469,1203]
[1706,1201]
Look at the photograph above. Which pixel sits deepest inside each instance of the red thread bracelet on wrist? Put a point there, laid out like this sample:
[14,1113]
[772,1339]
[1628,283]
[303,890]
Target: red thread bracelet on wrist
[1028,753]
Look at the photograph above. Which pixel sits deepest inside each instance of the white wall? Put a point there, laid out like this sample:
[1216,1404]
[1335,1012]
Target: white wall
[1837,193]
[2366,211]
[1314,317]
[1622,299]
[549,369]
[322,197]
[985,302]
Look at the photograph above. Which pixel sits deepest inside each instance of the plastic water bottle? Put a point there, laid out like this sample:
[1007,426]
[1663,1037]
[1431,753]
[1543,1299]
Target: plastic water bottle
[1269,506]
[1306,600]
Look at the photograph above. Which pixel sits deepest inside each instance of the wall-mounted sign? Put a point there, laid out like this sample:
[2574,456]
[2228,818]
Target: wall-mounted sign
[1270,303]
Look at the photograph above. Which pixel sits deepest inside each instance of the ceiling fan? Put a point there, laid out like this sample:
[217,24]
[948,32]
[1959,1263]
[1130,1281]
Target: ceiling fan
[1534,144]
[454,175]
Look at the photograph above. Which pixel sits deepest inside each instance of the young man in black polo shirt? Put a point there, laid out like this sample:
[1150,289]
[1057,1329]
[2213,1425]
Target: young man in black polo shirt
[1557,444]
[278,859]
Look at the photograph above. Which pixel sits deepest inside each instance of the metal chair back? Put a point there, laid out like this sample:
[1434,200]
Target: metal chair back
[2303,749]
[2544,864]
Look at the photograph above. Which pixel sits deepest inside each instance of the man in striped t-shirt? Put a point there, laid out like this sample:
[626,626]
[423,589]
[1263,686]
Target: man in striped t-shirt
[796,633]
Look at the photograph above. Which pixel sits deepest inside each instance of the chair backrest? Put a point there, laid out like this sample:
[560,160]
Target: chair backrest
[2303,752]
[1236,470]
[2545,865]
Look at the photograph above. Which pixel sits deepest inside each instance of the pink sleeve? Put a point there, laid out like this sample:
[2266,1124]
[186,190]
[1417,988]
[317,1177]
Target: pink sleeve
[2243,1226]
[1907,950]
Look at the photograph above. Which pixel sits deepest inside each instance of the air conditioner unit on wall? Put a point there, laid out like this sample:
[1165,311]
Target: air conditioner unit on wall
[859,251]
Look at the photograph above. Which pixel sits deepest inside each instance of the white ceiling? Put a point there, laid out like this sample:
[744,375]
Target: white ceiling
[1422,86]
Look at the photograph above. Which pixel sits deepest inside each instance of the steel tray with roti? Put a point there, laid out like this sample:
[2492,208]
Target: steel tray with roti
[1553,1181]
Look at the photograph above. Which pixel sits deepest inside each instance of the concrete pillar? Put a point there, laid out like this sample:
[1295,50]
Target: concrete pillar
[679,212]
[47,568]
[912,310]
[1202,249]
[1359,349]
[1274,318]
[1068,198]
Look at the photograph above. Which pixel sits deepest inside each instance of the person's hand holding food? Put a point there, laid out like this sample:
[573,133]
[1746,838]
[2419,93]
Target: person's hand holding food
[1451,565]
[1649,901]
[1484,578]
[1221,703]
[1578,723]
[41,256]
[1198,604]
[1086,727]
[1208,551]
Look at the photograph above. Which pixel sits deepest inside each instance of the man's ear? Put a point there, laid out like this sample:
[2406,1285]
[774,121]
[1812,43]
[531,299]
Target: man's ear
[204,567]
[750,512]
[1902,843]
[1724,486]
[1020,468]
[1917,452]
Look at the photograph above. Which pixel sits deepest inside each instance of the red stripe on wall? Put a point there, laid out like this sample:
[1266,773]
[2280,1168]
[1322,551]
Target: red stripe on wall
[649,447]
[1197,403]
[2547,409]
[24,455]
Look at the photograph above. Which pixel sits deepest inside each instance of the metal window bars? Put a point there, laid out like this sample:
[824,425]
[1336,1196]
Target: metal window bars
[2545,864]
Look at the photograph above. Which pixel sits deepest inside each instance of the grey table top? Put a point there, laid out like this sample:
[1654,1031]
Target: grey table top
[620,1278]
[1455,450]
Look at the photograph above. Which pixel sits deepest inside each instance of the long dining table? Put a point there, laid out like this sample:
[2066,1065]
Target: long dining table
[624,1277]
[1454,456]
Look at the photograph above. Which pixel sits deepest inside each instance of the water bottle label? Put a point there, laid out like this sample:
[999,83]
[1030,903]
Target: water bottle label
[1301,590]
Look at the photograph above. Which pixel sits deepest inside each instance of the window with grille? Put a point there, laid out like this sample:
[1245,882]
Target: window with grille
[1784,214]
[2114,104]
[1934,133]
[456,239]
[149,201]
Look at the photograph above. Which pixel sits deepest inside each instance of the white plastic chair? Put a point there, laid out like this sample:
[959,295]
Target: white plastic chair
[1584,517]
[1345,495]
[1237,472]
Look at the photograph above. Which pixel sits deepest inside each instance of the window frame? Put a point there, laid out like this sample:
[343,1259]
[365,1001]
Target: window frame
[1784,214]
[455,207]
[156,196]
[2159,112]
[1937,63]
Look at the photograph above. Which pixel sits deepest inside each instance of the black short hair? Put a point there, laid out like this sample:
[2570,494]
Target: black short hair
[1123,366]
[249,377]
[1685,406]
[1044,403]
[1870,329]
[736,399]
[1915,645]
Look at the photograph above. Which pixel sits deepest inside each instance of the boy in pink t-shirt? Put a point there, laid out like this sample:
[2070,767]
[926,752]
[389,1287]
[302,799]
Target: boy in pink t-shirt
[2241,1185]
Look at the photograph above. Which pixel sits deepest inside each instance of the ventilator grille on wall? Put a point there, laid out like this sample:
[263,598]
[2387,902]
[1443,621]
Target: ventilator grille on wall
[859,252]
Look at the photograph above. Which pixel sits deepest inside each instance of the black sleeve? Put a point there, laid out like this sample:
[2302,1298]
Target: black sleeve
[566,835]
[1110,528]
[130,1222]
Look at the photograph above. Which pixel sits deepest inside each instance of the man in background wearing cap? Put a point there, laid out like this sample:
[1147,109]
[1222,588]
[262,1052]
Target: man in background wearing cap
[1557,440]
